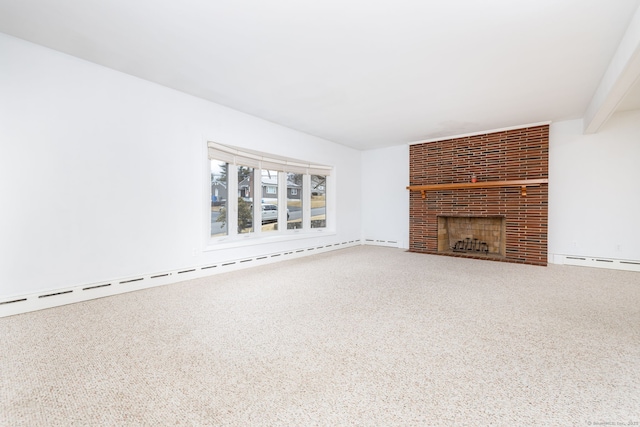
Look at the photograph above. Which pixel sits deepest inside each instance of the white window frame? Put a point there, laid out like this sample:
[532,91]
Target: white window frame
[263,161]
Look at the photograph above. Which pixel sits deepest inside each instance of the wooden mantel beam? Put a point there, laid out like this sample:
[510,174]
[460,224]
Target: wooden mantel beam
[522,183]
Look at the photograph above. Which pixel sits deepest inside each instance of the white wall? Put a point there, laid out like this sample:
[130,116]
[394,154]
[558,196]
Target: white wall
[594,197]
[102,177]
[385,199]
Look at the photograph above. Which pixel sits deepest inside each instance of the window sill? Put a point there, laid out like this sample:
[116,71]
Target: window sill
[251,239]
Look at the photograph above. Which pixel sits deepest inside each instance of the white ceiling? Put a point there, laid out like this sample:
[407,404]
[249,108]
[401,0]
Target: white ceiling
[363,73]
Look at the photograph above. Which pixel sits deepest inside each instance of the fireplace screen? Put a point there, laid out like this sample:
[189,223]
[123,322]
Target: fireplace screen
[472,235]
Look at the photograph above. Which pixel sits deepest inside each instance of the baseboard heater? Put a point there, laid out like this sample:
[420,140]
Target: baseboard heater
[597,262]
[380,242]
[57,297]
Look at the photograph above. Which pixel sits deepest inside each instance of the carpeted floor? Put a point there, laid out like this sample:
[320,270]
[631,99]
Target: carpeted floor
[366,336]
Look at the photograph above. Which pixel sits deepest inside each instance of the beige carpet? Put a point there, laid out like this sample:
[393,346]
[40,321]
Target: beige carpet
[366,336]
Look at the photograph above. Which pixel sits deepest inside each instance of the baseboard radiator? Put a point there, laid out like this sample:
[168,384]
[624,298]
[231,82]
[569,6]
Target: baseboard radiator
[597,262]
[42,300]
[379,242]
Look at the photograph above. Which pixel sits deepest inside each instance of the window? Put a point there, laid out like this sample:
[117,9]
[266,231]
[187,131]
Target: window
[219,170]
[245,199]
[289,196]
[269,200]
[294,200]
[318,201]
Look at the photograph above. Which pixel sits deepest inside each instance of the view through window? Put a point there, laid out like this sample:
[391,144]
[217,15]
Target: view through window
[254,195]
[219,191]
[318,201]
[294,200]
[269,200]
[245,199]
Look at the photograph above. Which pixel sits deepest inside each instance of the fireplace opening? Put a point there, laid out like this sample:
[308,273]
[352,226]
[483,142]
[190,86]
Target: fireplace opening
[472,235]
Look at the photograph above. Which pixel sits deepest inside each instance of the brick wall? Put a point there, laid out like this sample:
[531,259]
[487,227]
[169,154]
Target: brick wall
[501,156]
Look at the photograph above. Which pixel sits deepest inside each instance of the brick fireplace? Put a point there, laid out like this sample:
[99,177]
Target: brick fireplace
[495,218]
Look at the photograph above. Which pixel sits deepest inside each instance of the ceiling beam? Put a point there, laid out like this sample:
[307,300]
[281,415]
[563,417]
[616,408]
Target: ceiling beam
[623,72]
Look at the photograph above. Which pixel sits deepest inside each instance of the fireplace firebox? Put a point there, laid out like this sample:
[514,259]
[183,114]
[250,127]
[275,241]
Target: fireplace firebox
[472,235]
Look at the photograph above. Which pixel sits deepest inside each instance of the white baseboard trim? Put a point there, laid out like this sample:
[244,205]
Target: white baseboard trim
[26,303]
[597,262]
